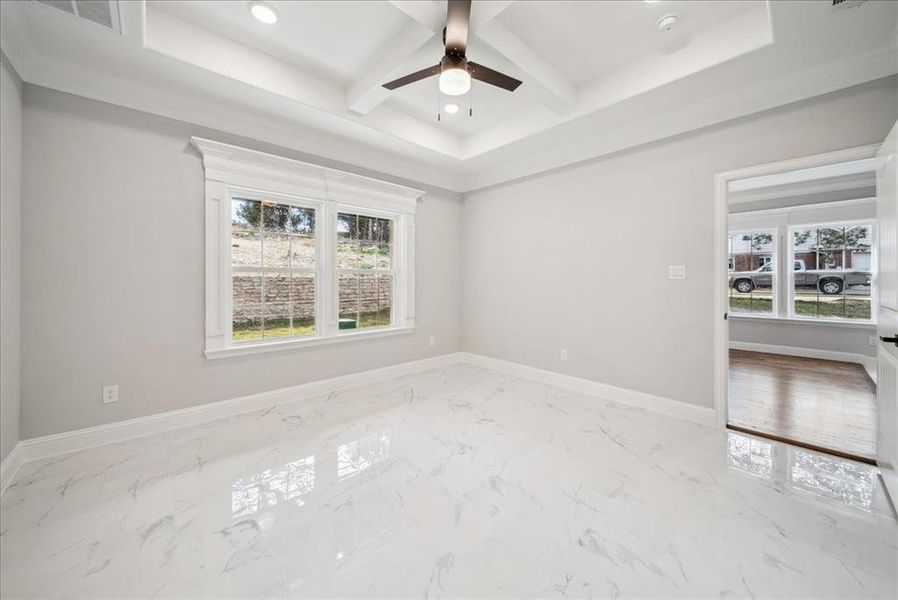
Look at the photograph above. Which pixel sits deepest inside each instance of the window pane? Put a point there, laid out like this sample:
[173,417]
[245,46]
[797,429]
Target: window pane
[833,272]
[302,252]
[246,287]
[368,300]
[301,221]
[277,322]
[859,237]
[277,288]
[752,270]
[830,237]
[275,250]
[247,323]
[384,255]
[245,214]
[246,244]
[384,300]
[349,300]
[303,318]
[367,255]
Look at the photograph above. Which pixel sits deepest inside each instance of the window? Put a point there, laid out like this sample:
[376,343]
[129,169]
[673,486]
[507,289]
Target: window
[752,256]
[301,255]
[365,268]
[273,269]
[833,271]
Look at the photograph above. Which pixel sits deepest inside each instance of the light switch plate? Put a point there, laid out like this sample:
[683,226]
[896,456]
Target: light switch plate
[676,271]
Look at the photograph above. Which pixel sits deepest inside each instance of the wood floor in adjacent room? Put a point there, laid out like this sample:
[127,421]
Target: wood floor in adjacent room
[822,403]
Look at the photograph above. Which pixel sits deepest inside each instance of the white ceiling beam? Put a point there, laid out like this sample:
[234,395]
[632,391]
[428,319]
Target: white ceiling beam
[367,91]
[547,85]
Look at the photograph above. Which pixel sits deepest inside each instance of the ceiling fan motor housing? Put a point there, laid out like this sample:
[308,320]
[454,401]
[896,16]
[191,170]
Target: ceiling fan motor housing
[453,61]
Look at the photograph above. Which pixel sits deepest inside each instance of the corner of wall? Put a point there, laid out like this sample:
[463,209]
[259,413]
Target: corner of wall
[10,255]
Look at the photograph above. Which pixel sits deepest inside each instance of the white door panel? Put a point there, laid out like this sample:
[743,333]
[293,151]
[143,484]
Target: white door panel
[887,376]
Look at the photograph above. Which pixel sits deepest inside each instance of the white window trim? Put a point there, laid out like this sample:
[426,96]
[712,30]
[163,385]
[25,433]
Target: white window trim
[790,290]
[234,171]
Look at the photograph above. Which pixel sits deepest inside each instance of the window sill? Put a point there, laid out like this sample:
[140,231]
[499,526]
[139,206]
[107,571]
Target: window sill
[799,321]
[311,342]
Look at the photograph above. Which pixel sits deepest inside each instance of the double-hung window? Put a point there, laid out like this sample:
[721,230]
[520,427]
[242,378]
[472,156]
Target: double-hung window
[301,255]
[752,272]
[832,276]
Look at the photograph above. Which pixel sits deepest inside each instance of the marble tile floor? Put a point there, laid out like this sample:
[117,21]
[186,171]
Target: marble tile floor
[452,483]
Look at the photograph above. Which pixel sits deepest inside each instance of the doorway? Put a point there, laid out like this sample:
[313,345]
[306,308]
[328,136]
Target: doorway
[797,263]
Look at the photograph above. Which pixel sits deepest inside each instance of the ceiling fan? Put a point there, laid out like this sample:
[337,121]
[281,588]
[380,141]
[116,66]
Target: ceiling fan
[455,70]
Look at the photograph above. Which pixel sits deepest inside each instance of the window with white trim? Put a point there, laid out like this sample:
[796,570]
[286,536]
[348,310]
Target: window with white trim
[301,255]
[833,276]
[752,272]
[364,270]
[274,267]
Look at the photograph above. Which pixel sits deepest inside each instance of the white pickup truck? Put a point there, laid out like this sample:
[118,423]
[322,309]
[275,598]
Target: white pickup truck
[828,281]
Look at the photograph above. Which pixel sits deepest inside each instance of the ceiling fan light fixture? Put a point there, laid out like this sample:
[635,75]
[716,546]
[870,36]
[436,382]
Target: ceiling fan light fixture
[455,81]
[452,107]
[263,12]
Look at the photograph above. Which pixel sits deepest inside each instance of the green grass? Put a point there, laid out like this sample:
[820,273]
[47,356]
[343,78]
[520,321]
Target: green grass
[280,328]
[847,308]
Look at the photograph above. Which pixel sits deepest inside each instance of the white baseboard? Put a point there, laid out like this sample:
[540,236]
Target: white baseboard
[81,439]
[667,406]
[90,437]
[869,362]
[10,465]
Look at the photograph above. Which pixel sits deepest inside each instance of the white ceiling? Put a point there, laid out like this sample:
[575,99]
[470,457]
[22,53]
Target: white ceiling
[583,40]
[592,72]
[333,40]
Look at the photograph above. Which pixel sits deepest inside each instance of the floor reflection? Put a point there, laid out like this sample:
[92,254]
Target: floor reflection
[832,478]
[272,486]
[750,455]
[358,455]
[845,482]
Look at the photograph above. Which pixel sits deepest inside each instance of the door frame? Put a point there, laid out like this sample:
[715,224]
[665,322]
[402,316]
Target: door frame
[721,222]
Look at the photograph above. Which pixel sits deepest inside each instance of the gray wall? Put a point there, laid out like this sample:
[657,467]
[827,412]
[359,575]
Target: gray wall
[841,338]
[577,258]
[10,252]
[112,279]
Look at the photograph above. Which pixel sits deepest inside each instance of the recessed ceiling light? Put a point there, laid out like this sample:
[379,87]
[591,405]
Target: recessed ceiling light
[452,108]
[651,1]
[667,22]
[263,12]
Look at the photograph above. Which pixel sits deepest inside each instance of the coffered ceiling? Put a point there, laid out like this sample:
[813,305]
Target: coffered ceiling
[598,76]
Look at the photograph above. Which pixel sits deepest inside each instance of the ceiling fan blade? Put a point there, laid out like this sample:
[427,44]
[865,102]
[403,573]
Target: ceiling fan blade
[413,77]
[487,75]
[458,21]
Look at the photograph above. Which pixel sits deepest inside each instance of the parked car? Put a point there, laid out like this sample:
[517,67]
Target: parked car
[828,281]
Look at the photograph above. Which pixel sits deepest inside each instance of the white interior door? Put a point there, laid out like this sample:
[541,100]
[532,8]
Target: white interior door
[887,328]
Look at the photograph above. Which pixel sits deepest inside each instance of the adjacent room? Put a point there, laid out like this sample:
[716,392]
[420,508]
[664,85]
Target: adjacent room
[449,299]
[802,284]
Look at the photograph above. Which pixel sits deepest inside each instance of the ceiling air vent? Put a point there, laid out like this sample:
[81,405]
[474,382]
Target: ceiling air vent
[101,12]
[840,4]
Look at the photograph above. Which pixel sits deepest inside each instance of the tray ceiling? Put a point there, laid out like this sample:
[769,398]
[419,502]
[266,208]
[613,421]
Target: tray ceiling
[312,80]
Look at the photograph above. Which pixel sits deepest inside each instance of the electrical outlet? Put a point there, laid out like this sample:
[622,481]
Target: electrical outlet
[871,341]
[676,272]
[110,394]
[564,354]
[432,341]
